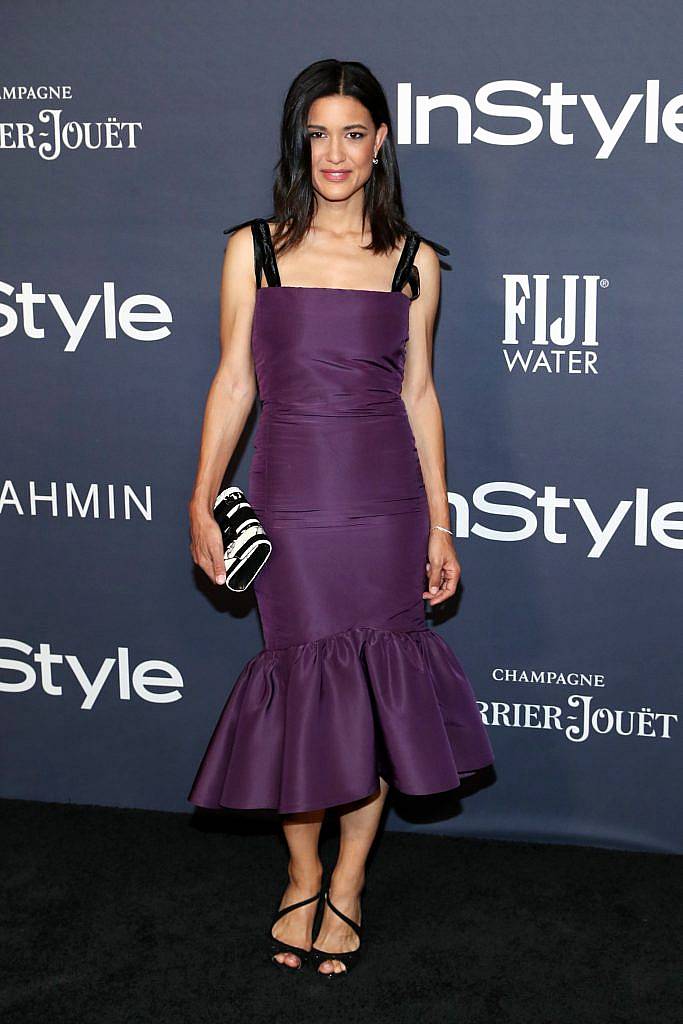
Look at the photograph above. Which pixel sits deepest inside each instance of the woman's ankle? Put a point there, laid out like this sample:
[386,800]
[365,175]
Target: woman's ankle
[308,876]
[347,881]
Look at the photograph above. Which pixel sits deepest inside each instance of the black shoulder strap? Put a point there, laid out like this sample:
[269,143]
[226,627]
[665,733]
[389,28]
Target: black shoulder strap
[264,253]
[406,271]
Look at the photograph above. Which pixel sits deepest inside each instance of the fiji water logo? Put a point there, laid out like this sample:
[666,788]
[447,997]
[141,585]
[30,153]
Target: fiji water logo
[538,344]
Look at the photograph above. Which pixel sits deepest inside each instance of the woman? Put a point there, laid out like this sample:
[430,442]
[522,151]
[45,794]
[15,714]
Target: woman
[353,692]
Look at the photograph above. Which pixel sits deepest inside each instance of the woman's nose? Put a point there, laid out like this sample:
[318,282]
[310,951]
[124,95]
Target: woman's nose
[335,151]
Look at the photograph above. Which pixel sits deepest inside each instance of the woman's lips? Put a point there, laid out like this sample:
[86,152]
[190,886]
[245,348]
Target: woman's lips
[336,175]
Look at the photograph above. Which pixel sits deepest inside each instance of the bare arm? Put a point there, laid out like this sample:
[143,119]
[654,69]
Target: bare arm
[229,401]
[426,421]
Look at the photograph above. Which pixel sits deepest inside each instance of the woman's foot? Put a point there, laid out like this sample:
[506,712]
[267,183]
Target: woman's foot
[295,928]
[334,934]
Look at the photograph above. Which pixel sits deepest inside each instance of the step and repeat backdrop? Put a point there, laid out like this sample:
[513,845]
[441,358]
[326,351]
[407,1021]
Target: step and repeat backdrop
[543,145]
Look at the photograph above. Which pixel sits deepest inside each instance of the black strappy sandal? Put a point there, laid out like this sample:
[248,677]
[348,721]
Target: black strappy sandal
[278,946]
[350,958]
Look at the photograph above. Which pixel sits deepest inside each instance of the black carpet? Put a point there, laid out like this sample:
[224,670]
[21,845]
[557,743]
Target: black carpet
[113,915]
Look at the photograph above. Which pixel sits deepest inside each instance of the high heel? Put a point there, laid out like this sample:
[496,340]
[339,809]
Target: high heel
[278,946]
[349,958]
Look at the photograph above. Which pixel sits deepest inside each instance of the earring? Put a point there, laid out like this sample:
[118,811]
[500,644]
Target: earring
[375,160]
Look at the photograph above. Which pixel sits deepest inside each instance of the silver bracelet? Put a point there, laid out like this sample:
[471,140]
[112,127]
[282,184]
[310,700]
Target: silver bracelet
[441,528]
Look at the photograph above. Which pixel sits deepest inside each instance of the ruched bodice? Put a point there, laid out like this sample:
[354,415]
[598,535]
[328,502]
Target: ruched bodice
[339,349]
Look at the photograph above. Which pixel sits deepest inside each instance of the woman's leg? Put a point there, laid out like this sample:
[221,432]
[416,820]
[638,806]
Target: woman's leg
[358,828]
[302,832]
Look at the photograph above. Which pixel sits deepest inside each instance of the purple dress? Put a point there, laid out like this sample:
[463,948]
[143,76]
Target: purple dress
[352,682]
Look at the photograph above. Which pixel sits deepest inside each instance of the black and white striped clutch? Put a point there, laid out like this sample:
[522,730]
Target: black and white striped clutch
[247,546]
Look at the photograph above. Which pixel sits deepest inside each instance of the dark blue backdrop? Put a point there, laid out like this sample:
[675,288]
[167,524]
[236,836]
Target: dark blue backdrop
[542,144]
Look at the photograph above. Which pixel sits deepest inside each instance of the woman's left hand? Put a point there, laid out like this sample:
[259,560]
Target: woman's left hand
[442,569]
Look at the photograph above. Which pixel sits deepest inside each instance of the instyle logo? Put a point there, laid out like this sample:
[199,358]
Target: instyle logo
[114,315]
[569,343]
[588,116]
[557,514]
[154,681]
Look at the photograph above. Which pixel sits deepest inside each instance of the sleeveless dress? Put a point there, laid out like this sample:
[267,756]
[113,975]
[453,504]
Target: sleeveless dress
[352,682]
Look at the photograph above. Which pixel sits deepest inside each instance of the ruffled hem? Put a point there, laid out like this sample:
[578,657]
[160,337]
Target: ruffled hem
[315,725]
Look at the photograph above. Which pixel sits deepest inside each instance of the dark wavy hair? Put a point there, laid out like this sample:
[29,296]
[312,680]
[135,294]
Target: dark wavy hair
[293,195]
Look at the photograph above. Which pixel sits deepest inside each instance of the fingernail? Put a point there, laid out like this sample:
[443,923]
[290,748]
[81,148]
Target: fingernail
[433,590]
[220,579]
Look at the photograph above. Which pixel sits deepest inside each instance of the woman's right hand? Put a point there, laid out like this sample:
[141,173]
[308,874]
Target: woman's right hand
[206,544]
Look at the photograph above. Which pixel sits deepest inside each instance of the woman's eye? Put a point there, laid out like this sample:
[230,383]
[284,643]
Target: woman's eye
[317,134]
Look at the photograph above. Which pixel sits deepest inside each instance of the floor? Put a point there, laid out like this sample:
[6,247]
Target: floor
[113,915]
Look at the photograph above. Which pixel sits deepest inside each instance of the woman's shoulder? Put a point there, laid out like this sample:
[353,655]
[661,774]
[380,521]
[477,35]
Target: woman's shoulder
[257,232]
[245,225]
[434,245]
[428,257]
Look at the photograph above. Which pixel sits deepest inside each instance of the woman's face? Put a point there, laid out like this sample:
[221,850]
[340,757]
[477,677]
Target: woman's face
[343,143]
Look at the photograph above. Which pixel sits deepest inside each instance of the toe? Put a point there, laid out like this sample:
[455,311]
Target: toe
[290,959]
[331,967]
